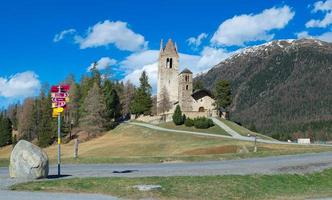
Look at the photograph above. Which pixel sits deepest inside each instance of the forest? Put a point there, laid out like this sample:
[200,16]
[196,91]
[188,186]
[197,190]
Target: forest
[96,105]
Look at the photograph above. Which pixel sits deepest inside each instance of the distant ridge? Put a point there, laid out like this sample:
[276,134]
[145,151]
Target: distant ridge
[282,86]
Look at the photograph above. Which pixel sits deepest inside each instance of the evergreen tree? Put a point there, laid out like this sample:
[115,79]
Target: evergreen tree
[222,94]
[177,116]
[142,101]
[5,130]
[94,109]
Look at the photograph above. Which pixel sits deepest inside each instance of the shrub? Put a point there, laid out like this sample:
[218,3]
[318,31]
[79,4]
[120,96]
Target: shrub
[177,116]
[189,122]
[203,123]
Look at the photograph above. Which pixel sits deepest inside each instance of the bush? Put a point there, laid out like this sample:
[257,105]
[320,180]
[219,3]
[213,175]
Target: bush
[189,122]
[203,123]
[177,116]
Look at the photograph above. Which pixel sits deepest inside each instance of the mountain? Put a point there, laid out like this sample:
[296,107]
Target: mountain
[283,87]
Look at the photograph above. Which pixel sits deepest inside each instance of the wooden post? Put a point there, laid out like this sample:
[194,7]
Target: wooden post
[255,147]
[76,148]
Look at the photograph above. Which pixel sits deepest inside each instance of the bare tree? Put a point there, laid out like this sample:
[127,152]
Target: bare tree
[128,94]
[26,125]
[164,103]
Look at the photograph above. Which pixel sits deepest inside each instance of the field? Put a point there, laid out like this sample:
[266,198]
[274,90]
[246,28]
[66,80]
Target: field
[129,143]
[286,186]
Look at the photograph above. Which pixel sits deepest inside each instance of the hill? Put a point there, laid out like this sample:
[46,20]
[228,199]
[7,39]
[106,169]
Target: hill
[282,87]
[129,143]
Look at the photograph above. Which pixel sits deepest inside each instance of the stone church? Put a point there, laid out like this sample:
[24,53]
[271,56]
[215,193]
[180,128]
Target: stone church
[178,86]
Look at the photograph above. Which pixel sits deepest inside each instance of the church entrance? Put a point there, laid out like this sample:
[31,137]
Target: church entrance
[201,109]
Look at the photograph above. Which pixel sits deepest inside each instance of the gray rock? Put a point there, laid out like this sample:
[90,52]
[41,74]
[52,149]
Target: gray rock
[28,161]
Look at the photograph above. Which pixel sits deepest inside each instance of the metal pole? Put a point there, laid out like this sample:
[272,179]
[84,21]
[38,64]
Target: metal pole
[59,138]
[59,141]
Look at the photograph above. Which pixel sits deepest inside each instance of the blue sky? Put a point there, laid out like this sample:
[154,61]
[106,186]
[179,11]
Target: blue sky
[44,41]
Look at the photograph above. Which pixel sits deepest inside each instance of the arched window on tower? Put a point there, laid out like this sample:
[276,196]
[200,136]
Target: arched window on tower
[167,63]
[186,78]
[170,63]
[187,87]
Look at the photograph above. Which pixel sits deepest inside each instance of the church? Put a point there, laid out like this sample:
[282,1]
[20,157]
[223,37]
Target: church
[178,86]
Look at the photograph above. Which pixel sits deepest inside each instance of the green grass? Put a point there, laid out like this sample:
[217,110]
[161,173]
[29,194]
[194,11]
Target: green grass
[212,130]
[283,186]
[242,130]
[4,162]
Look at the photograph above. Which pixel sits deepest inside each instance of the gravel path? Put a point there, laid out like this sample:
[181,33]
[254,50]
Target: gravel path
[222,125]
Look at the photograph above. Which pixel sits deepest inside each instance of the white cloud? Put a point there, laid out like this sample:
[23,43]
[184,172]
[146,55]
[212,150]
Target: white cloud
[139,59]
[327,36]
[211,56]
[109,32]
[326,21]
[20,85]
[152,72]
[325,7]
[196,42]
[245,28]
[102,63]
[60,36]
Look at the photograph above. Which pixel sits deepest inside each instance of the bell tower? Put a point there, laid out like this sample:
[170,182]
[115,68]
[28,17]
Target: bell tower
[168,70]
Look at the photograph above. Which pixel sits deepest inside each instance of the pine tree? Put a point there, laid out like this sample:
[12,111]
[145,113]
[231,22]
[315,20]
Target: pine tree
[177,116]
[222,94]
[5,130]
[94,109]
[142,101]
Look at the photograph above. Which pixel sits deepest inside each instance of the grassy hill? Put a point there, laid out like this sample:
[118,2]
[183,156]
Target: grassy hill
[129,143]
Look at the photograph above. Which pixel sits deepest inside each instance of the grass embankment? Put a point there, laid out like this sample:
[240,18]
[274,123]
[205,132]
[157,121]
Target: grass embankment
[212,130]
[129,143]
[284,186]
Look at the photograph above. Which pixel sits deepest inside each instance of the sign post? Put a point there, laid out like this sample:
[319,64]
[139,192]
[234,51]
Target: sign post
[59,99]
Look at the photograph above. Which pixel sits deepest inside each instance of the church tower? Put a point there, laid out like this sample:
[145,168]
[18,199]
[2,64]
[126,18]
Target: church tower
[185,90]
[168,70]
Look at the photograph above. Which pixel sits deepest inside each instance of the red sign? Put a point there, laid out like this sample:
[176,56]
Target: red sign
[63,88]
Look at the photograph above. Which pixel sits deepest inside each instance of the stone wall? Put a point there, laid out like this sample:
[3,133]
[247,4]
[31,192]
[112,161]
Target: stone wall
[205,103]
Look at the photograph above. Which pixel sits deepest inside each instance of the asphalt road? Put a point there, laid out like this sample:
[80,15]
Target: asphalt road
[304,163]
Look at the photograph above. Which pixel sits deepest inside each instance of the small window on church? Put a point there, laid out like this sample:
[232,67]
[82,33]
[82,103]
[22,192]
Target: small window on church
[186,78]
[170,62]
[186,87]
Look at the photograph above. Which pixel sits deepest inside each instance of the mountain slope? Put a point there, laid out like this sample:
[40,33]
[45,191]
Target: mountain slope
[282,86]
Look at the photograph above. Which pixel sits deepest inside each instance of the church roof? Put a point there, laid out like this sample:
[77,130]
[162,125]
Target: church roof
[186,71]
[170,47]
[198,94]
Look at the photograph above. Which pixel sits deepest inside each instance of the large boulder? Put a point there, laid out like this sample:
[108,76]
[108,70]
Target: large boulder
[28,161]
